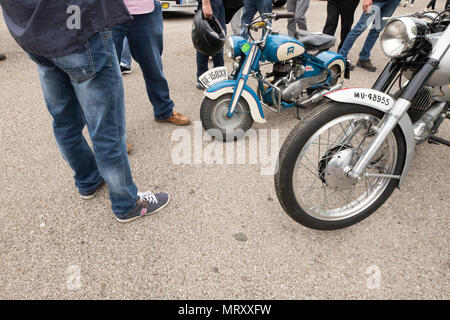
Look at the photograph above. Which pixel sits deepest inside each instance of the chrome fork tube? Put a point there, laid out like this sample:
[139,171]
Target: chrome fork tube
[388,124]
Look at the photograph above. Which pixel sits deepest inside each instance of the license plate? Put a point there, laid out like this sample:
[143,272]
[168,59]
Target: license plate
[213,76]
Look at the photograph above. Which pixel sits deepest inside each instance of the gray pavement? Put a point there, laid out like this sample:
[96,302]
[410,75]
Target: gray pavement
[224,235]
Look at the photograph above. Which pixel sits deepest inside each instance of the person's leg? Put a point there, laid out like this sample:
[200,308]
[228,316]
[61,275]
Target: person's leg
[386,10]
[248,14]
[236,22]
[300,14]
[126,59]
[347,10]
[101,97]
[68,123]
[264,6]
[291,24]
[447,4]
[146,45]
[219,13]
[357,30]
[202,64]
[332,17]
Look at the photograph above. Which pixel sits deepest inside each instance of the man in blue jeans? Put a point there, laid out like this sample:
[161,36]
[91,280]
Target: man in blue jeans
[82,85]
[145,38]
[374,11]
[250,9]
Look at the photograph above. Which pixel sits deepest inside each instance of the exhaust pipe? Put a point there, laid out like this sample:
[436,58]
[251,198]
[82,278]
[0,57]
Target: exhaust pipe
[319,95]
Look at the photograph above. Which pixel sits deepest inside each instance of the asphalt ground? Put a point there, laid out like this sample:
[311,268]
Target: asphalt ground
[224,234]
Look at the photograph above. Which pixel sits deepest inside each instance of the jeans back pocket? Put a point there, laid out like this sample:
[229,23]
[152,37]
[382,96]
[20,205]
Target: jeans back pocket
[78,65]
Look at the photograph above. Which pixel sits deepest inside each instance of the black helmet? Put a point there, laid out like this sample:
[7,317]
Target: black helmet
[208,35]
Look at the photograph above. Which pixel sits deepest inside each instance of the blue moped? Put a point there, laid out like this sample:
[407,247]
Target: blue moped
[303,72]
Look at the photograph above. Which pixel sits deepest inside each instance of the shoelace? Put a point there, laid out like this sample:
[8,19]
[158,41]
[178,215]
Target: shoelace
[147,196]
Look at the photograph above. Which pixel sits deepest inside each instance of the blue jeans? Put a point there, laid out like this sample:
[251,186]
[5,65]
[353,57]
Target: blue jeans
[145,37]
[85,88]
[250,9]
[126,59]
[386,9]
[202,60]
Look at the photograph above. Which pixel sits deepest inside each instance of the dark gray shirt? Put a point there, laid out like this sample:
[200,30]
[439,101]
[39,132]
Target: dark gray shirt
[55,28]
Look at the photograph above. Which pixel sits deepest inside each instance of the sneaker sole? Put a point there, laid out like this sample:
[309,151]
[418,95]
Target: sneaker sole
[175,124]
[148,214]
[92,195]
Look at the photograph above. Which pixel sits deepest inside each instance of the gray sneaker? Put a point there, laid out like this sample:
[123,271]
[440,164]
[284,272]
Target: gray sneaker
[148,203]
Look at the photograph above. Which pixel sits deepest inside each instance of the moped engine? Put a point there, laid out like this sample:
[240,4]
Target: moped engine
[281,70]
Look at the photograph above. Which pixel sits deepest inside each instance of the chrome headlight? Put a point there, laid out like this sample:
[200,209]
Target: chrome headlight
[401,35]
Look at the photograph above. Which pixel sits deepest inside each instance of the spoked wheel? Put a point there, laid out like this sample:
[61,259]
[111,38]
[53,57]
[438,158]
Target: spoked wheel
[215,119]
[312,182]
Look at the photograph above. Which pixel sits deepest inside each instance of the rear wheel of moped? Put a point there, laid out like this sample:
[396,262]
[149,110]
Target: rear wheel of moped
[312,184]
[215,119]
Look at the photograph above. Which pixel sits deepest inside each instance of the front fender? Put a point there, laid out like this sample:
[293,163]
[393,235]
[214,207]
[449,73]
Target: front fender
[224,87]
[381,101]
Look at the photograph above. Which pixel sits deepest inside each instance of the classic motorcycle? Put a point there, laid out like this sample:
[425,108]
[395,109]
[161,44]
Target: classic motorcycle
[343,161]
[302,74]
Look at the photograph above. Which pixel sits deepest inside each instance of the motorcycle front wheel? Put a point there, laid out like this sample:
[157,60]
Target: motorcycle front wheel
[312,184]
[215,119]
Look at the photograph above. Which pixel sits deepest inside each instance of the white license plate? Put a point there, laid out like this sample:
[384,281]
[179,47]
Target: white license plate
[213,76]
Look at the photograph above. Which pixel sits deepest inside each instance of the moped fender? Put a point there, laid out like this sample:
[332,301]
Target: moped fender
[330,59]
[381,101]
[224,87]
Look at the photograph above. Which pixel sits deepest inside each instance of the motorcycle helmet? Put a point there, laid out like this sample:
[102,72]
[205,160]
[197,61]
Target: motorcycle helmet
[208,35]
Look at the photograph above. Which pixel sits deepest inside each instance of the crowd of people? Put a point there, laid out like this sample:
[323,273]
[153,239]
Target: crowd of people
[80,70]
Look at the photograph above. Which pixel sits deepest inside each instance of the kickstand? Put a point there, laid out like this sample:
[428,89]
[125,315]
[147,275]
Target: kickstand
[298,113]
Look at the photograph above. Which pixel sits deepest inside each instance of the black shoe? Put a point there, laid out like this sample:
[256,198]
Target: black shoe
[125,70]
[90,194]
[351,66]
[366,65]
[147,204]
[2,57]
[200,86]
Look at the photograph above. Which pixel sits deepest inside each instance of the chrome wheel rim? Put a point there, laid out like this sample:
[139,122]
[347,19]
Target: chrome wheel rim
[319,180]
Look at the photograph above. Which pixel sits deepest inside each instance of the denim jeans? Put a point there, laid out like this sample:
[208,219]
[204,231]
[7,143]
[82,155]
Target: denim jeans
[145,37]
[85,88]
[385,9]
[126,59]
[250,9]
[202,60]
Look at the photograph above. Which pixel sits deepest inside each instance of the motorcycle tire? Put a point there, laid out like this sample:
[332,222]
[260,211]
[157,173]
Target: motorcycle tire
[292,148]
[213,114]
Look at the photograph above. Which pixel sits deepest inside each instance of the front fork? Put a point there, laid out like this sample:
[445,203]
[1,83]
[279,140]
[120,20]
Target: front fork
[397,111]
[242,78]
[403,103]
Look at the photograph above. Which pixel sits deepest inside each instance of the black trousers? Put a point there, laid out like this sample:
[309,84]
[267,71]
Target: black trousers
[345,9]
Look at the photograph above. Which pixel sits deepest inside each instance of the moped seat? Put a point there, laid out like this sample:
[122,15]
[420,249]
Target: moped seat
[315,40]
